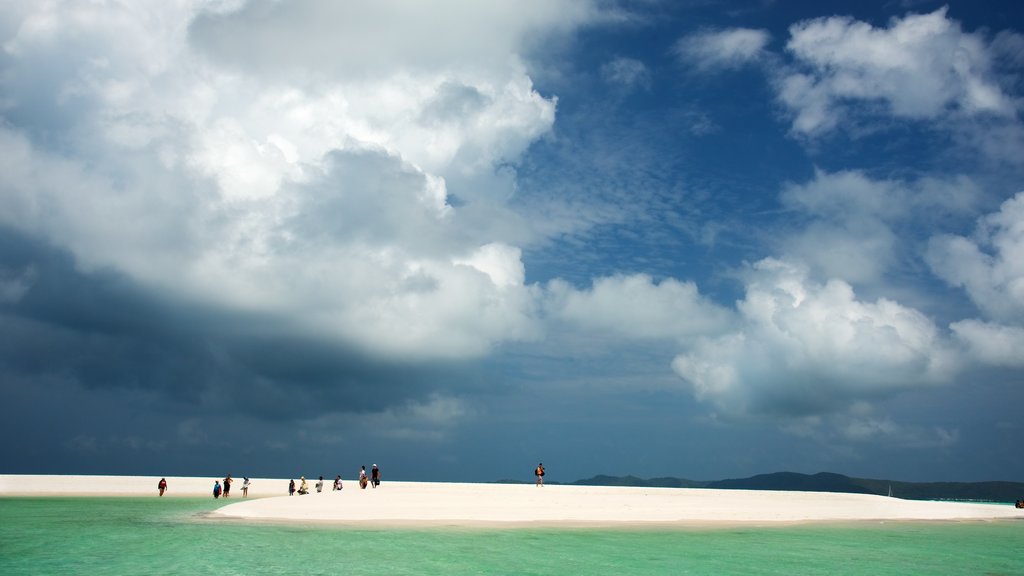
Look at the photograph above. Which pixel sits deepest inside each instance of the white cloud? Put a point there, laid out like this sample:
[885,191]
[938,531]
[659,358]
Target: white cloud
[637,307]
[856,222]
[990,265]
[289,159]
[920,67]
[718,49]
[992,344]
[810,349]
[377,38]
[501,263]
[849,236]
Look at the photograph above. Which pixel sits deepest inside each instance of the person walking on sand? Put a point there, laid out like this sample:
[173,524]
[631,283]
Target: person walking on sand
[162,486]
[227,486]
[539,473]
[375,476]
[320,485]
[216,489]
[291,487]
[362,477]
[337,482]
[245,487]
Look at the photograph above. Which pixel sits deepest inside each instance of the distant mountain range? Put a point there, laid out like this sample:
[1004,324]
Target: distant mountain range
[830,482]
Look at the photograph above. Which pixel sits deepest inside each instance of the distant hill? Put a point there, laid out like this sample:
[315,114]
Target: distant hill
[821,482]
[830,482]
[666,482]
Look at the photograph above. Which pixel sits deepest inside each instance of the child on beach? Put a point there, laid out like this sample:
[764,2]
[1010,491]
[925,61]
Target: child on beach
[216,489]
[245,487]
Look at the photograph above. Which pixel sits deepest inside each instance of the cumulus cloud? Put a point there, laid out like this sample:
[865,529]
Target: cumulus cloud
[990,343]
[856,224]
[806,349]
[288,161]
[636,306]
[722,49]
[919,67]
[368,39]
[989,266]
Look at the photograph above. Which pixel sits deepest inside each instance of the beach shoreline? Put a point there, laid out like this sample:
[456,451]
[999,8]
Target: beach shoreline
[628,526]
[447,504]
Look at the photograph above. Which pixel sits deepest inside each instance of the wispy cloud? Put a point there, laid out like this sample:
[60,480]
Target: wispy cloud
[626,72]
[722,49]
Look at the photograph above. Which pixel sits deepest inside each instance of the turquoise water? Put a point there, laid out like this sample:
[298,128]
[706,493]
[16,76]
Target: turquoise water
[165,535]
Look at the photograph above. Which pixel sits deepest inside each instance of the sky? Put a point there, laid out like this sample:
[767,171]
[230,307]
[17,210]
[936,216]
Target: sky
[693,238]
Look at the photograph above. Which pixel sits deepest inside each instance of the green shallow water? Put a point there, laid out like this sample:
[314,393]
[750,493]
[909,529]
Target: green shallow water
[165,535]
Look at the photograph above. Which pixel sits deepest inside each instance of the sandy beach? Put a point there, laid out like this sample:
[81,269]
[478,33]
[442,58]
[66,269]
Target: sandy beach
[178,486]
[458,504]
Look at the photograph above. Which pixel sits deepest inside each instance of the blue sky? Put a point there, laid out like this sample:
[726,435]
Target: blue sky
[695,239]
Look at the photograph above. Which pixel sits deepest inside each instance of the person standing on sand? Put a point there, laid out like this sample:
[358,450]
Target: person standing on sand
[320,485]
[227,485]
[337,482]
[291,487]
[245,487]
[162,486]
[539,473]
[375,476]
[216,489]
[362,477]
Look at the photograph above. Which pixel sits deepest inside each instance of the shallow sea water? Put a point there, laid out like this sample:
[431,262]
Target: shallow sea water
[117,536]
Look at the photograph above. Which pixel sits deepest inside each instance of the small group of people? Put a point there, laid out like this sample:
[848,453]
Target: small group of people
[373,479]
[224,490]
[303,487]
[218,488]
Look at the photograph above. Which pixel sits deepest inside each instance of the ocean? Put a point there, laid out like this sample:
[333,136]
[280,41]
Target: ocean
[114,536]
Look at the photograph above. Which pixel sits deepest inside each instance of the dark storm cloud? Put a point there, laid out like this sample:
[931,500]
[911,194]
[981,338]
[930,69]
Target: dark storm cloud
[104,332]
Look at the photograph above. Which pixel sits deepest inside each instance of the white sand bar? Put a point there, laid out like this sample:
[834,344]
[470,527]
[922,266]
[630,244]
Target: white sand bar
[417,503]
[178,486]
[452,504]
